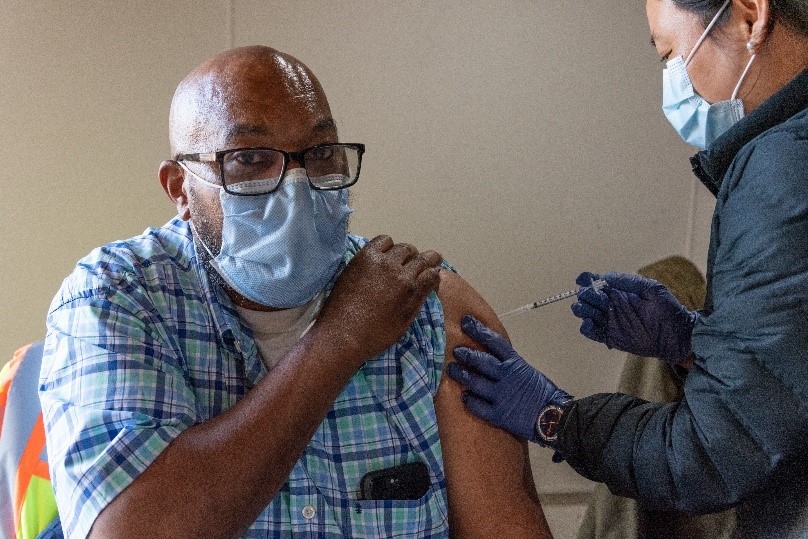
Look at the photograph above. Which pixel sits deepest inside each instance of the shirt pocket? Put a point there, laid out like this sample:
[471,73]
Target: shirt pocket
[424,517]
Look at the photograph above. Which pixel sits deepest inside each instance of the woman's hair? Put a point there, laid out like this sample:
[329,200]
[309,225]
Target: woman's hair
[791,13]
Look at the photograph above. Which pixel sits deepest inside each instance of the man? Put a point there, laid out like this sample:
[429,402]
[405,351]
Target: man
[239,370]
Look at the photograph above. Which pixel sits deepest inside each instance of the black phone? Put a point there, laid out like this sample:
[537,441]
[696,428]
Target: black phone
[405,482]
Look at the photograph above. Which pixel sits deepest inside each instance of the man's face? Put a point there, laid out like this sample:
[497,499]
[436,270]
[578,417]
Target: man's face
[272,103]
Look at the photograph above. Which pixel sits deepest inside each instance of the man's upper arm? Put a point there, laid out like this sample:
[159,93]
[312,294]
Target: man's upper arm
[488,476]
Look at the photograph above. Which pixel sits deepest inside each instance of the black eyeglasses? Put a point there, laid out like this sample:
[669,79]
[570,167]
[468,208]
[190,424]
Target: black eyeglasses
[258,171]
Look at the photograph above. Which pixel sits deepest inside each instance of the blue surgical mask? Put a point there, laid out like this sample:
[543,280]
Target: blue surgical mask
[281,249]
[698,122]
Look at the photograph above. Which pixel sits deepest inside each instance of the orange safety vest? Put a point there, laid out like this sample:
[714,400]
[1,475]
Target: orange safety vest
[27,503]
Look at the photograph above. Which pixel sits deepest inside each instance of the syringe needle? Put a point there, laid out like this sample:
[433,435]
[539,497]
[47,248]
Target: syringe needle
[537,304]
[597,285]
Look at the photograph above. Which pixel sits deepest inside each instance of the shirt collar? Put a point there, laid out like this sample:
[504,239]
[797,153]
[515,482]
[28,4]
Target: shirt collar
[711,165]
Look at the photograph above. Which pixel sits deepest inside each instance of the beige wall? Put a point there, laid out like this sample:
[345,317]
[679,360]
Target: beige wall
[522,139]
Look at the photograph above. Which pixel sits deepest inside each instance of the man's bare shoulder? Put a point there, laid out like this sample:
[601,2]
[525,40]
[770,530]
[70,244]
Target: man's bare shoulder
[459,298]
[482,463]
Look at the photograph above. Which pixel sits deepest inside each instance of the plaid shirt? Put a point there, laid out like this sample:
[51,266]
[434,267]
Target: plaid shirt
[140,347]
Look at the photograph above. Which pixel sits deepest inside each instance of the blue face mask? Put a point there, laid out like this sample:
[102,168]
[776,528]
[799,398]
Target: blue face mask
[281,249]
[698,122]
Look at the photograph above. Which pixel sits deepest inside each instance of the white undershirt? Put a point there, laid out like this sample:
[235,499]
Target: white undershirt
[276,332]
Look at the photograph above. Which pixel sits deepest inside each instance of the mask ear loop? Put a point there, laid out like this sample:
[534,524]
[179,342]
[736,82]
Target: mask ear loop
[743,76]
[190,222]
[706,31]
[200,178]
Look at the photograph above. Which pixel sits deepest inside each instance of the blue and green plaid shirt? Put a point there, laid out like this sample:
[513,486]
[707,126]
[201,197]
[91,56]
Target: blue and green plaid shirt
[140,347]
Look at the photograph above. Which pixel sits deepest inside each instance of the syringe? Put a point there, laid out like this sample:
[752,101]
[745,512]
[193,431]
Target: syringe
[597,285]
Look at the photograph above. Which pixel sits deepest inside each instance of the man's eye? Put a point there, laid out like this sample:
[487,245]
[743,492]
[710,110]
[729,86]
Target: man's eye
[247,157]
[245,165]
[323,152]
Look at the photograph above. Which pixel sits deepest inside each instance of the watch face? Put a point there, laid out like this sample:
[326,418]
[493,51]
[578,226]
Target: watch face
[547,424]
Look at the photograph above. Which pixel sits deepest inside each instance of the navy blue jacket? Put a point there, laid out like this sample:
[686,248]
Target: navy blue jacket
[739,436]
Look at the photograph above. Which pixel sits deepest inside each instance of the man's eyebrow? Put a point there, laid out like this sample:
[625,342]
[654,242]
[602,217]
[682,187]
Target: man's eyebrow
[327,124]
[237,130]
[246,129]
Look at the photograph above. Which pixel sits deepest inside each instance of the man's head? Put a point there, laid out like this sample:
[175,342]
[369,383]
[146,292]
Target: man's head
[245,97]
[242,98]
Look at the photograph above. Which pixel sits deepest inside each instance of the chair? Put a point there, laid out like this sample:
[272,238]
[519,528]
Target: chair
[27,503]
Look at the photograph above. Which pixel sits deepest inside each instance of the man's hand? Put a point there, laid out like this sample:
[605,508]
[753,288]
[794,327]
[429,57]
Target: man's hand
[378,294]
[502,387]
[636,315]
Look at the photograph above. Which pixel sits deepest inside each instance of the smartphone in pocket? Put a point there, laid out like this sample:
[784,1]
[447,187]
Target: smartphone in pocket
[405,482]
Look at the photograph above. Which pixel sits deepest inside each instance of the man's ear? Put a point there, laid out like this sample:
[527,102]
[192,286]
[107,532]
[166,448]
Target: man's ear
[172,178]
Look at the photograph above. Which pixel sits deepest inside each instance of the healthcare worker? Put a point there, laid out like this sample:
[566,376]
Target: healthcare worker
[736,87]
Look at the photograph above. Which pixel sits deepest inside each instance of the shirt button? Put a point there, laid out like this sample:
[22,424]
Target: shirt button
[308,512]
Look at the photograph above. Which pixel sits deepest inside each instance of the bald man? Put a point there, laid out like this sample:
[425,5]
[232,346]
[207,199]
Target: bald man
[240,370]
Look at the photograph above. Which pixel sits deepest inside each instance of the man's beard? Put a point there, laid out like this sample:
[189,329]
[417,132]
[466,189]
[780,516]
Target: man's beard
[203,237]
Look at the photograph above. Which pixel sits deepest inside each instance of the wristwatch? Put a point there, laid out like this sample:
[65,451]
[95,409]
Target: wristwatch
[547,423]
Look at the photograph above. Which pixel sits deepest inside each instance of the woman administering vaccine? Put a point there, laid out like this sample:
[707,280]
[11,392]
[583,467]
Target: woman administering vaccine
[736,87]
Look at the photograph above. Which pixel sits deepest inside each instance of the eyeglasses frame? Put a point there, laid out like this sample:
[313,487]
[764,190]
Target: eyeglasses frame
[288,157]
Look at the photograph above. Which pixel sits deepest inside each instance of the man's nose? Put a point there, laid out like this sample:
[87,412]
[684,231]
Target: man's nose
[295,162]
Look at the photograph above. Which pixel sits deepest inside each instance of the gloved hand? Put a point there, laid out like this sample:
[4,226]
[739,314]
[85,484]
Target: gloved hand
[636,315]
[503,388]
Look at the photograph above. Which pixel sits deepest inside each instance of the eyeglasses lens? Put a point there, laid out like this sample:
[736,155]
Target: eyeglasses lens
[332,167]
[258,171]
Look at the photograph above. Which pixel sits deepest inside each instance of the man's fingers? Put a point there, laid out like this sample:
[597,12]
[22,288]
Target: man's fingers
[381,243]
[430,259]
[427,280]
[421,262]
[424,269]
[402,252]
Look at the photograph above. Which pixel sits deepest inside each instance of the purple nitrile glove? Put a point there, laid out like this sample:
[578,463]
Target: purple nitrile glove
[635,314]
[502,388]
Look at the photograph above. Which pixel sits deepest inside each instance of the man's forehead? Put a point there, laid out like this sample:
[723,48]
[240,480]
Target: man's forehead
[240,131]
[249,93]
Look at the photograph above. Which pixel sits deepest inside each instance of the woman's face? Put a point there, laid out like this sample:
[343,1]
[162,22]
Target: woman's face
[719,61]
